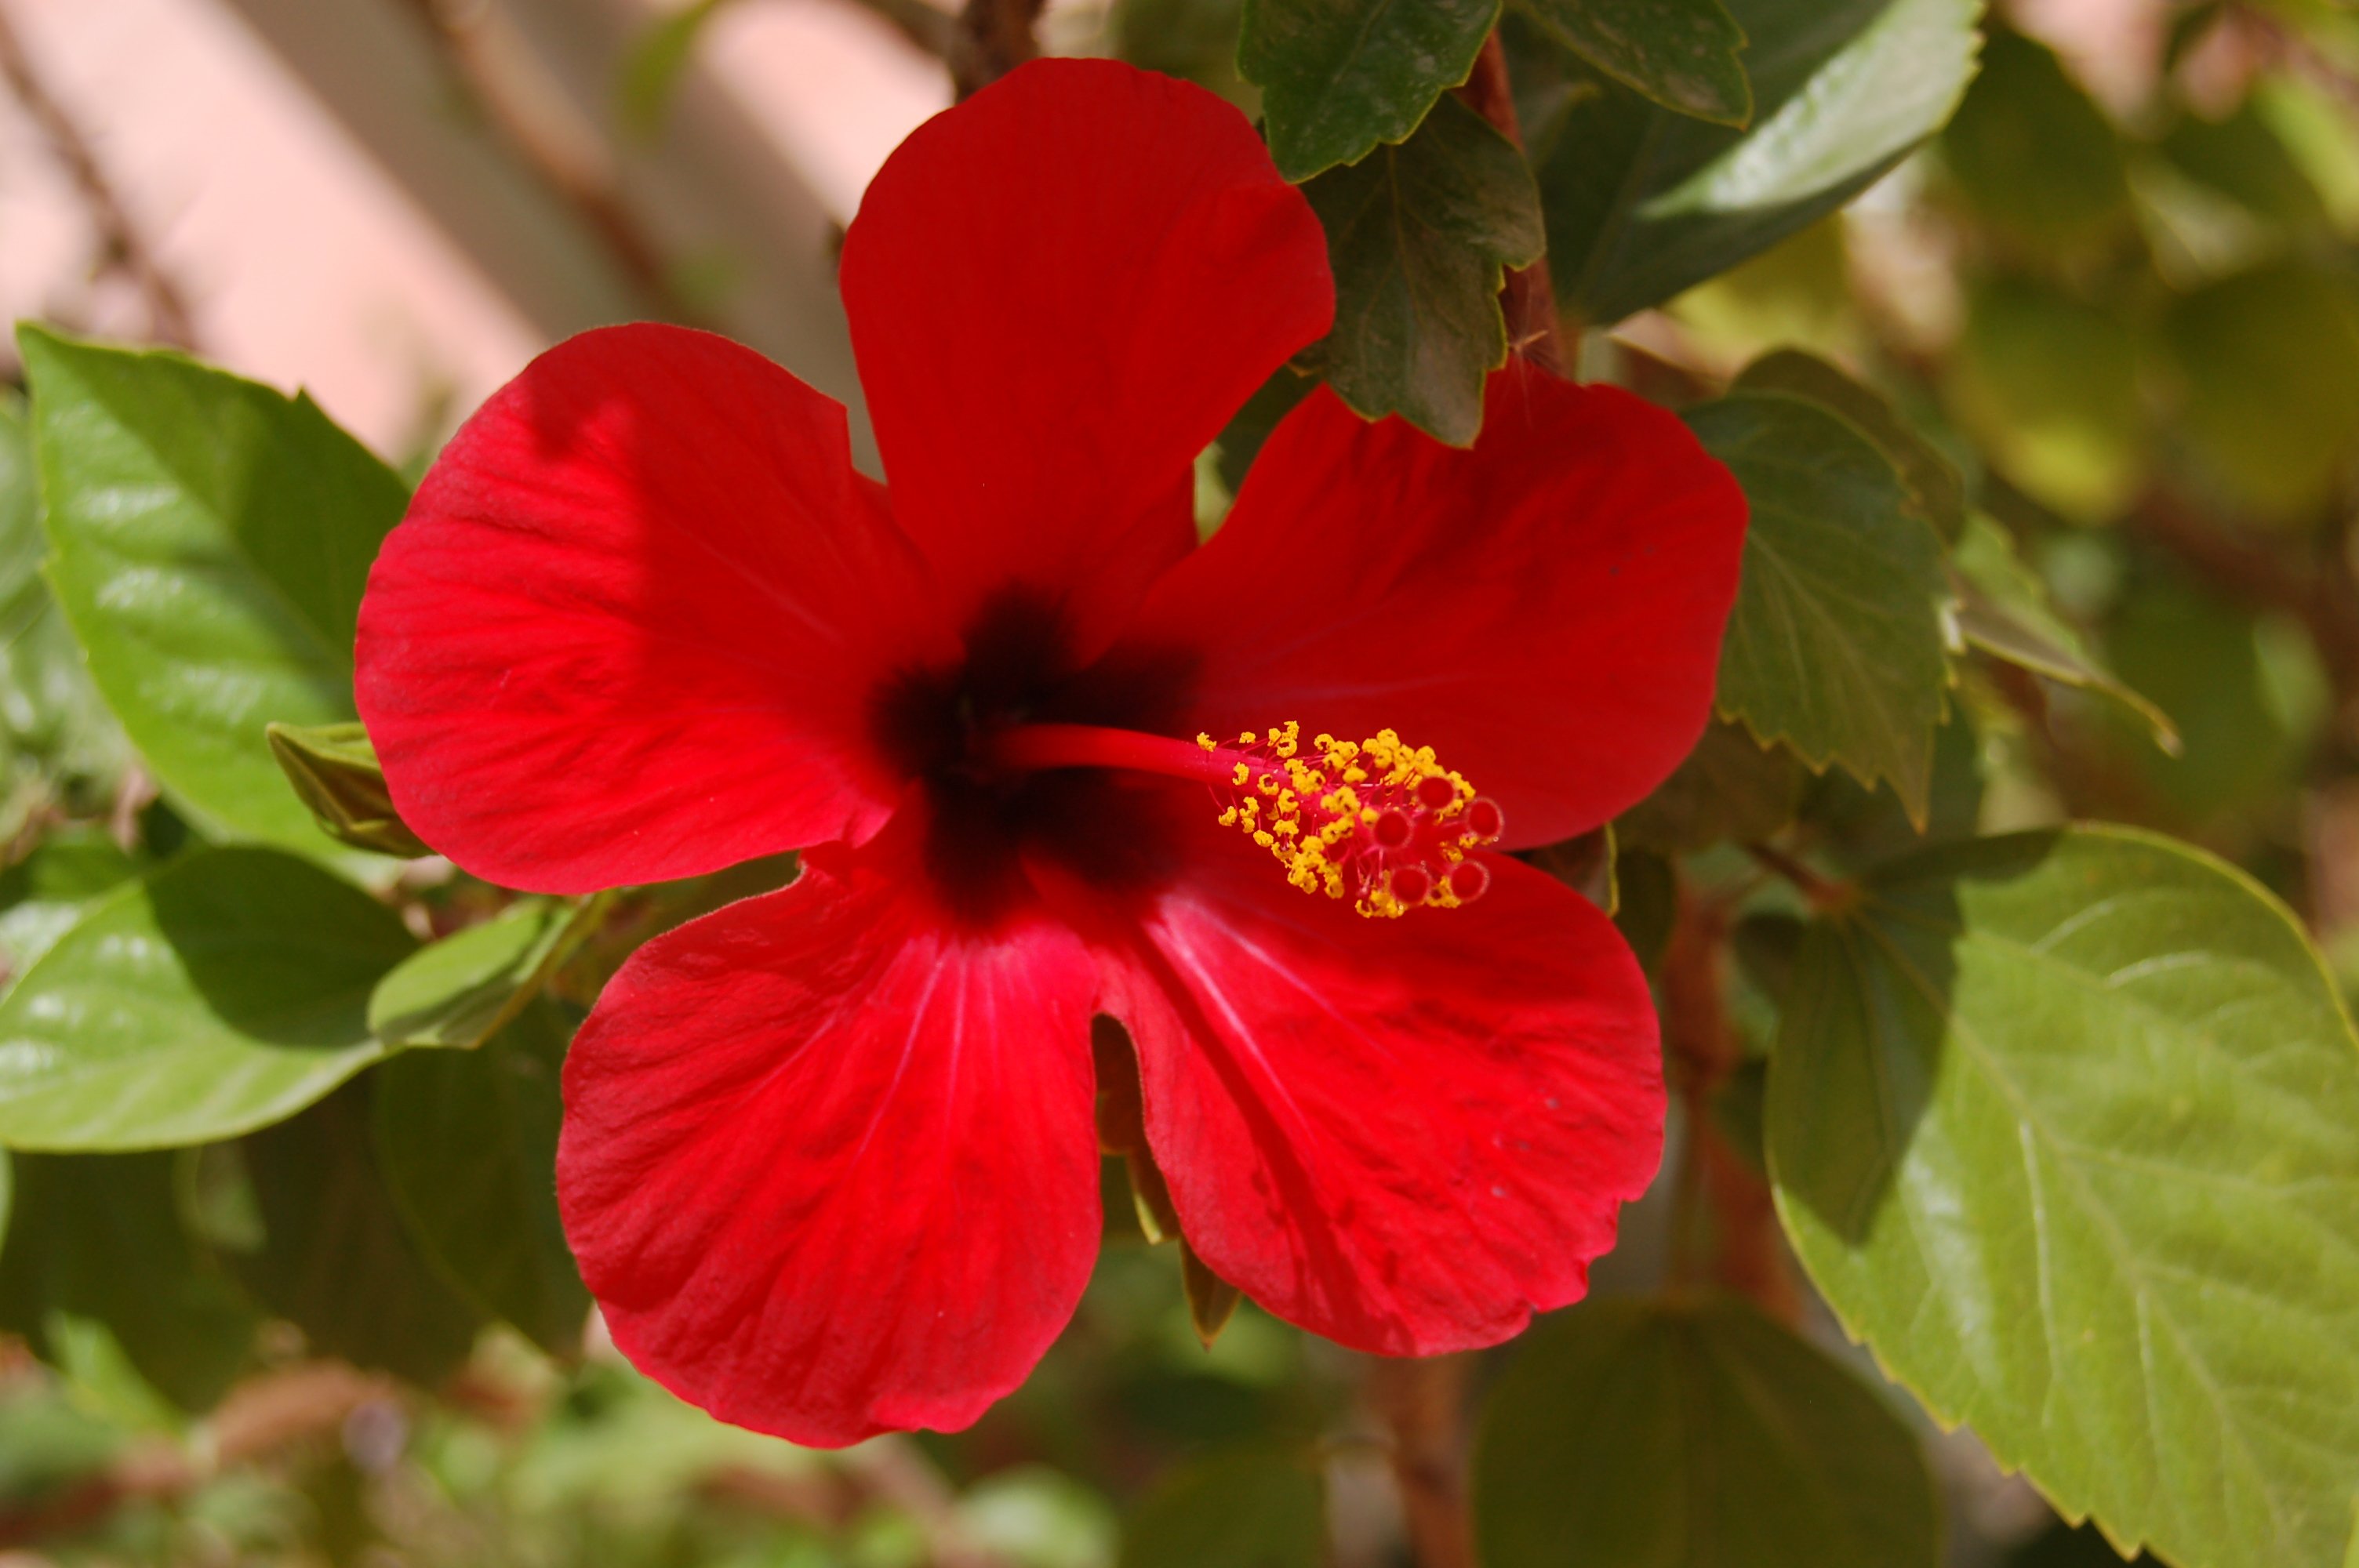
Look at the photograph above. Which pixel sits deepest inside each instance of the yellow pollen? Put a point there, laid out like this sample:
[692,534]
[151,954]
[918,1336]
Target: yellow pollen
[1377,821]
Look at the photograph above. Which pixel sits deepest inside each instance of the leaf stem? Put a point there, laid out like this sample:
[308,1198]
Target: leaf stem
[1528,299]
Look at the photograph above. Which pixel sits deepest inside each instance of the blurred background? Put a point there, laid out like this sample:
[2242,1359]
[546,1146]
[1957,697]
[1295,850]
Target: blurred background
[2123,275]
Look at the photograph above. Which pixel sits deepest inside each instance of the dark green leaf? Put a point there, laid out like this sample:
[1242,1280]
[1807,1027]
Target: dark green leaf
[99,1237]
[336,1259]
[2004,610]
[1693,1437]
[456,990]
[2038,160]
[1683,54]
[211,539]
[1420,236]
[229,989]
[1835,646]
[468,1144]
[1940,490]
[1339,77]
[2243,158]
[1644,203]
[2066,1126]
[1253,1505]
[1731,788]
[335,772]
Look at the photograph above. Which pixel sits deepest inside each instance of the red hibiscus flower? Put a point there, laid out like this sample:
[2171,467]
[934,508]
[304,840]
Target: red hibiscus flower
[828,1161]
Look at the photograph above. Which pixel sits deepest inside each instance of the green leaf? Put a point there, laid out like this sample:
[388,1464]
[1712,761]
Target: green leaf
[211,540]
[1683,54]
[1932,479]
[336,1259]
[1644,203]
[1730,789]
[1420,236]
[2268,362]
[43,894]
[98,1239]
[653,67]
[2047,385]
[2038,160]
[1339,77]
[1193,40]
[1835,646]
[229,989]
[458,990]
[1693,1437]
[335,772]
[468,1144]
[2004,610]
[1251,1506]
[2065,1126]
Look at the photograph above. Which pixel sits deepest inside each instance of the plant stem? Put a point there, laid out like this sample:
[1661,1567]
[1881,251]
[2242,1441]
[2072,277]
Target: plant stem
[1528,299]
[991,39]
[1422,1403]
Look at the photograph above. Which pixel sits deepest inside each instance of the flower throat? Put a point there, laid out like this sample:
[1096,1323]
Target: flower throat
[1379,821]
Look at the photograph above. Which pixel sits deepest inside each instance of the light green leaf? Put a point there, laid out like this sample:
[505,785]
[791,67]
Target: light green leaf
[335,1258]
[1420,236]
[333,770]
[1250,1506]
[1693,1437]
[1644,203]
[468,1144]
[2065,1126]
[98,1238]
[1683,54]
[43,894]
[2004,610]
[1339,77]
[209,539]
[458,990]
[229,989]
[1836,646]
[2047,385]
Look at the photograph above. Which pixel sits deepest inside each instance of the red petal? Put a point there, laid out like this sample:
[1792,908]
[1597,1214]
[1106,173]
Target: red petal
[1060,291]
[1544,610]
[626,631]
[829,1168]
[1407,1135]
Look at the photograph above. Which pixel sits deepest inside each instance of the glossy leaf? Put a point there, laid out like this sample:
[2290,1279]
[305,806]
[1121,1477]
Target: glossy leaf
[229,989]
[456,990]
[1420,236]
[1339,77]
[2004,610]
[1693,1437]
[1253,1505]
[336,1259]
[98,1239]
[1644,203]
[1835,646]
[210,541]
[333,771]
[1684,54]
[2065,1126]
[468,1144]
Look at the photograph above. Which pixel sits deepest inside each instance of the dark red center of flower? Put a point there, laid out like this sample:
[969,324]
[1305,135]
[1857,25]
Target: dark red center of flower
[1018,755]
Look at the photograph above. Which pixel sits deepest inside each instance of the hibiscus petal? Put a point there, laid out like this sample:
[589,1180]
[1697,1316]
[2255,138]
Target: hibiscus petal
[1544,610]
[1060,291]
[1407,1135]
[627,630]
[829,1167]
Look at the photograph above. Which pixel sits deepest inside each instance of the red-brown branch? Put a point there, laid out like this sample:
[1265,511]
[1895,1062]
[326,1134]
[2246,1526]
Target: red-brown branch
[991,39]
[1528,300]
